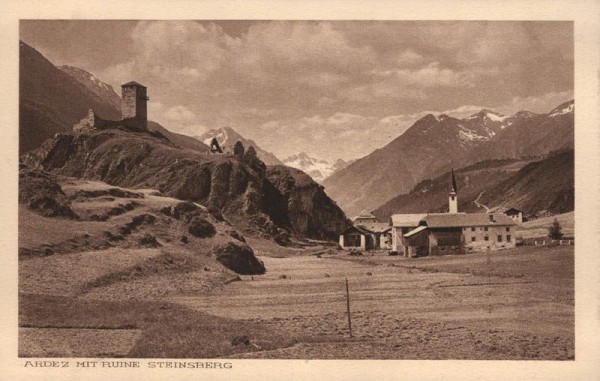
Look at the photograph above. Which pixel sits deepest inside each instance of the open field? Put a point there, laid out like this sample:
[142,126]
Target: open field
[516,304]
[92,287]
[539,228]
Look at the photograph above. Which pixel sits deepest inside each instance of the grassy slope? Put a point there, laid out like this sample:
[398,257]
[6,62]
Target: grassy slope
[432,195]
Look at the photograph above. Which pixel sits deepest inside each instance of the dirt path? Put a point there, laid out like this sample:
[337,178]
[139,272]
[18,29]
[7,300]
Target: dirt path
[479,205]
[305,297]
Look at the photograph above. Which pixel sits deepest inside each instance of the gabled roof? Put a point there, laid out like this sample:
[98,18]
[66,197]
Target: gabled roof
[415,231]
[512,212]
[133,83]
[374,227]
[407,220]
[454,220]
[365,214]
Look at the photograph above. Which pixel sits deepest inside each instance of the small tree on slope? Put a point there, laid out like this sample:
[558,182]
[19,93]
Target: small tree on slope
[555,231]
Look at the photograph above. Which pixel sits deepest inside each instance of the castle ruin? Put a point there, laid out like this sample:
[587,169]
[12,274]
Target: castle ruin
[134,112]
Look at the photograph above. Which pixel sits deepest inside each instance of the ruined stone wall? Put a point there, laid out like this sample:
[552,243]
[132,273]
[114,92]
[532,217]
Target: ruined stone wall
[134,106]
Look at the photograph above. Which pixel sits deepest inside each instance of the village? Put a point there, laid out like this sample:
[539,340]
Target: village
[454,232]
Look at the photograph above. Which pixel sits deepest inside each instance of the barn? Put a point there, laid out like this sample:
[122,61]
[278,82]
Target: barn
[367,236]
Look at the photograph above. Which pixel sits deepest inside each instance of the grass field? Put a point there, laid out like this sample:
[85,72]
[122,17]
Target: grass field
[85,294]
[515,304]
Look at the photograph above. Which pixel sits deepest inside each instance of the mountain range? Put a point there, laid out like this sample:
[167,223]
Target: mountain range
[318,169]
[435,144]
[491,184]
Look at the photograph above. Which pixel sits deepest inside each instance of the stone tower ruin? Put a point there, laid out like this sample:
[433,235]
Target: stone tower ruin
[134,107]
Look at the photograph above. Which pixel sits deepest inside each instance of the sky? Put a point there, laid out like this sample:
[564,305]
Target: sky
[332,89]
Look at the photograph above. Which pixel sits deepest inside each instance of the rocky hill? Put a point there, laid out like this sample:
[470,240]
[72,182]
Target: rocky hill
[235,187]
[227,137]
[530,184]
[435,144]
[52,99]
[318,169]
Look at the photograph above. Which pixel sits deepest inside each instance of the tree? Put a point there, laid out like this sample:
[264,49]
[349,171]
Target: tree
[238,149]
[250,156]
[555,231]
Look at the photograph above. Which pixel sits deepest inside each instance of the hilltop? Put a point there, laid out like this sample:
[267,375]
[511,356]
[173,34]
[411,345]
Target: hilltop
[226,184]
[227,137]
[52,99]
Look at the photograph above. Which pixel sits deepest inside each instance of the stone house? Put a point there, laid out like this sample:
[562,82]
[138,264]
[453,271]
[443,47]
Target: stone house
[366,236]
[453,232]
[515,214]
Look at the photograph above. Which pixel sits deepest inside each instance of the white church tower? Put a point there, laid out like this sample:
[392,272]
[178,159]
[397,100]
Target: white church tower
[453,197]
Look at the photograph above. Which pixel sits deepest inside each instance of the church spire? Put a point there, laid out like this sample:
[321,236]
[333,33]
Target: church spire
[452,197]
[454,187]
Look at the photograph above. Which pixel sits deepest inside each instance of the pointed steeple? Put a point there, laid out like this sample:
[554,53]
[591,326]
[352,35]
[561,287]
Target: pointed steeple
[453,197]
[454,187]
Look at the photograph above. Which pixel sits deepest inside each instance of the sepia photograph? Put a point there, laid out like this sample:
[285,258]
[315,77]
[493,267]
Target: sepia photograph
[200,194]
[296,189]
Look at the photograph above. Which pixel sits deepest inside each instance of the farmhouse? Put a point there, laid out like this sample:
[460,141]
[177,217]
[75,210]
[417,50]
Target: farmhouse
[515,214]
[365,216]
[453,232]
[366,236]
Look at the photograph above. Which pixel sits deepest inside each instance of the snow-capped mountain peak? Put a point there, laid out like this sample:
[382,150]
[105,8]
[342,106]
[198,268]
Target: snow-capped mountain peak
[565,108]
[318,169]
[101,89]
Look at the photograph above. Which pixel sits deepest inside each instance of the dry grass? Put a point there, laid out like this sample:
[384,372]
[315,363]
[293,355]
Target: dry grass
[539,228]
[167,330]
[411,309]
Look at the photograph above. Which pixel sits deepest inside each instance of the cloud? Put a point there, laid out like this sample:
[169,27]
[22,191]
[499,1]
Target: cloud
[339,88]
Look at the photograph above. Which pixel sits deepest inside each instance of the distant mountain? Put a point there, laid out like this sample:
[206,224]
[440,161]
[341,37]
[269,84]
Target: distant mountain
[531,185]
[227,137]
[318,169]
[433,145]
[52,99]
[545,185]
[102,90]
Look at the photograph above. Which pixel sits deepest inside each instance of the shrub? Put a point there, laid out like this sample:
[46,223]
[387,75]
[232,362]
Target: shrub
[201,228]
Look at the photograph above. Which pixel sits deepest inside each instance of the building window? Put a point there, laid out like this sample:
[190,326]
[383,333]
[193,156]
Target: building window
[508,238]
[508,229]
[486,238]
[499,238]
[473,229]
[473,239]
[486,228]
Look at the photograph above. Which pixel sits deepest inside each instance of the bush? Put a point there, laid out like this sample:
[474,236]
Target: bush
[149,240]
[201,228]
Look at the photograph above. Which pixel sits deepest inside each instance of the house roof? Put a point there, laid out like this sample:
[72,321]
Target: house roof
[407,220]
[512,212]
[374,227]
[449,220]
[365,214]
[133,83]
[415,231]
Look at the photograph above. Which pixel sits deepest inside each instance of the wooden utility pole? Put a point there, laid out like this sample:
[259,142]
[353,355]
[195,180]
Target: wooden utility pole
[348,308]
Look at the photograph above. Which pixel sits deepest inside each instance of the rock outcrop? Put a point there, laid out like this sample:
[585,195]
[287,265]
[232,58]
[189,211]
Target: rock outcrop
[274,199]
